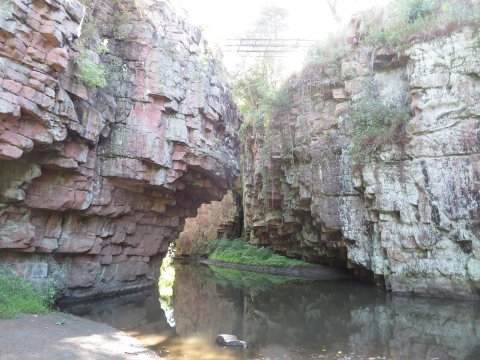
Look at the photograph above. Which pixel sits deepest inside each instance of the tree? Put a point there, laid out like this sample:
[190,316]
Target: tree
[271,24]
[332,4]
[256,89]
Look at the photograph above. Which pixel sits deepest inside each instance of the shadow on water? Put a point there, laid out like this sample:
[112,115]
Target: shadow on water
[289,318]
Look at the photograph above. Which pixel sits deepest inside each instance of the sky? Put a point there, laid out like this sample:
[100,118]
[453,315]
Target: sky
[307,19]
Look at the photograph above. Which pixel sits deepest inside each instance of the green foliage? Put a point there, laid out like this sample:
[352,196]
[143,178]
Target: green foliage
[255,88]
[271,22]
[50,293]
[254,281]
[240,252]
[328,53]
[90,73]
[102,48]
[18,296]
[257,99]
[259,103]
[421,19]
[375,121]
[280,101]
[194,246]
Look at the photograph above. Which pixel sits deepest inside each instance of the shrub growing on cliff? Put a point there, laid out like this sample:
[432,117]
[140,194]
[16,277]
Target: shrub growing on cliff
[18,296]
[422,20]
[89,72]
[375,121]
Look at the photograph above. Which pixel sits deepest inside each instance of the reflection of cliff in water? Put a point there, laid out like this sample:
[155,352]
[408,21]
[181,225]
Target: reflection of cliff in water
[313,316]
[285,318]
[140,315]
[136,313]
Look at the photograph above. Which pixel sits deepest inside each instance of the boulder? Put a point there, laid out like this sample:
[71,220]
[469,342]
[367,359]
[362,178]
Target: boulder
[230,340]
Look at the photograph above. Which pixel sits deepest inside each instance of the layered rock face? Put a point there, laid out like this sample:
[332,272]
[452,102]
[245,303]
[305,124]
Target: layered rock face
[96,182]
[410,214]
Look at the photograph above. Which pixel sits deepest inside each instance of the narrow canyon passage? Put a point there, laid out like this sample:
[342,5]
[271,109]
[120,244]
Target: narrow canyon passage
[339,133]
[367,158]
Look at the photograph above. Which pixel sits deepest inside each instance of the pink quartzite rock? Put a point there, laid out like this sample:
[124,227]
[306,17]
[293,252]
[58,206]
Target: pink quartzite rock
[96,182]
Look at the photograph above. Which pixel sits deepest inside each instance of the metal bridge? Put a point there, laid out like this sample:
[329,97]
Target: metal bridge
[266,47]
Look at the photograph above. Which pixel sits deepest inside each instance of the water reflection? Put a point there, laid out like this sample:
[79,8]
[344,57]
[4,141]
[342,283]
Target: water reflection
[285,318]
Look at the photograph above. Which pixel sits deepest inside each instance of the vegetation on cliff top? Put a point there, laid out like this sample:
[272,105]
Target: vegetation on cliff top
[377,120]
[420,20]
[258,89]
[258,100]
[261,95]
[18,296]
[401,24]
[240,252]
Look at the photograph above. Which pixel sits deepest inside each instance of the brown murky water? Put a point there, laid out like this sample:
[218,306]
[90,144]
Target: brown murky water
[287,318]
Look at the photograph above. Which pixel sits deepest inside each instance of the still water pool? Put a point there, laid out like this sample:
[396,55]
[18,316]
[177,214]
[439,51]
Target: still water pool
[290,318]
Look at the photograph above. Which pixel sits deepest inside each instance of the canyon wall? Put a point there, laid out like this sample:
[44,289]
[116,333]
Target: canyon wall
[410,213]
[115,125]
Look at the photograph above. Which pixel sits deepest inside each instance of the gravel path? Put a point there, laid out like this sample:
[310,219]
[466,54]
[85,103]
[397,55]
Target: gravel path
[63,336]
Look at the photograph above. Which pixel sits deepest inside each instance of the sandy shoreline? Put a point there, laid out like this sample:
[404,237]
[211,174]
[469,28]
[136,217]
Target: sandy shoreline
[64,336]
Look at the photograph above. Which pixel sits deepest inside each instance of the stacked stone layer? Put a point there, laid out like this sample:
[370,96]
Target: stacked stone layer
[409,215]
[96,182]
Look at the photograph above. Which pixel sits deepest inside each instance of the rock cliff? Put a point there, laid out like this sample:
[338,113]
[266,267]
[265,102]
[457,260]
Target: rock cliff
[115,125]
[409,214]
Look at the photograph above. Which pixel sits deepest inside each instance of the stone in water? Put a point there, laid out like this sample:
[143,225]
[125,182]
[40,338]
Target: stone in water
[230,340]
